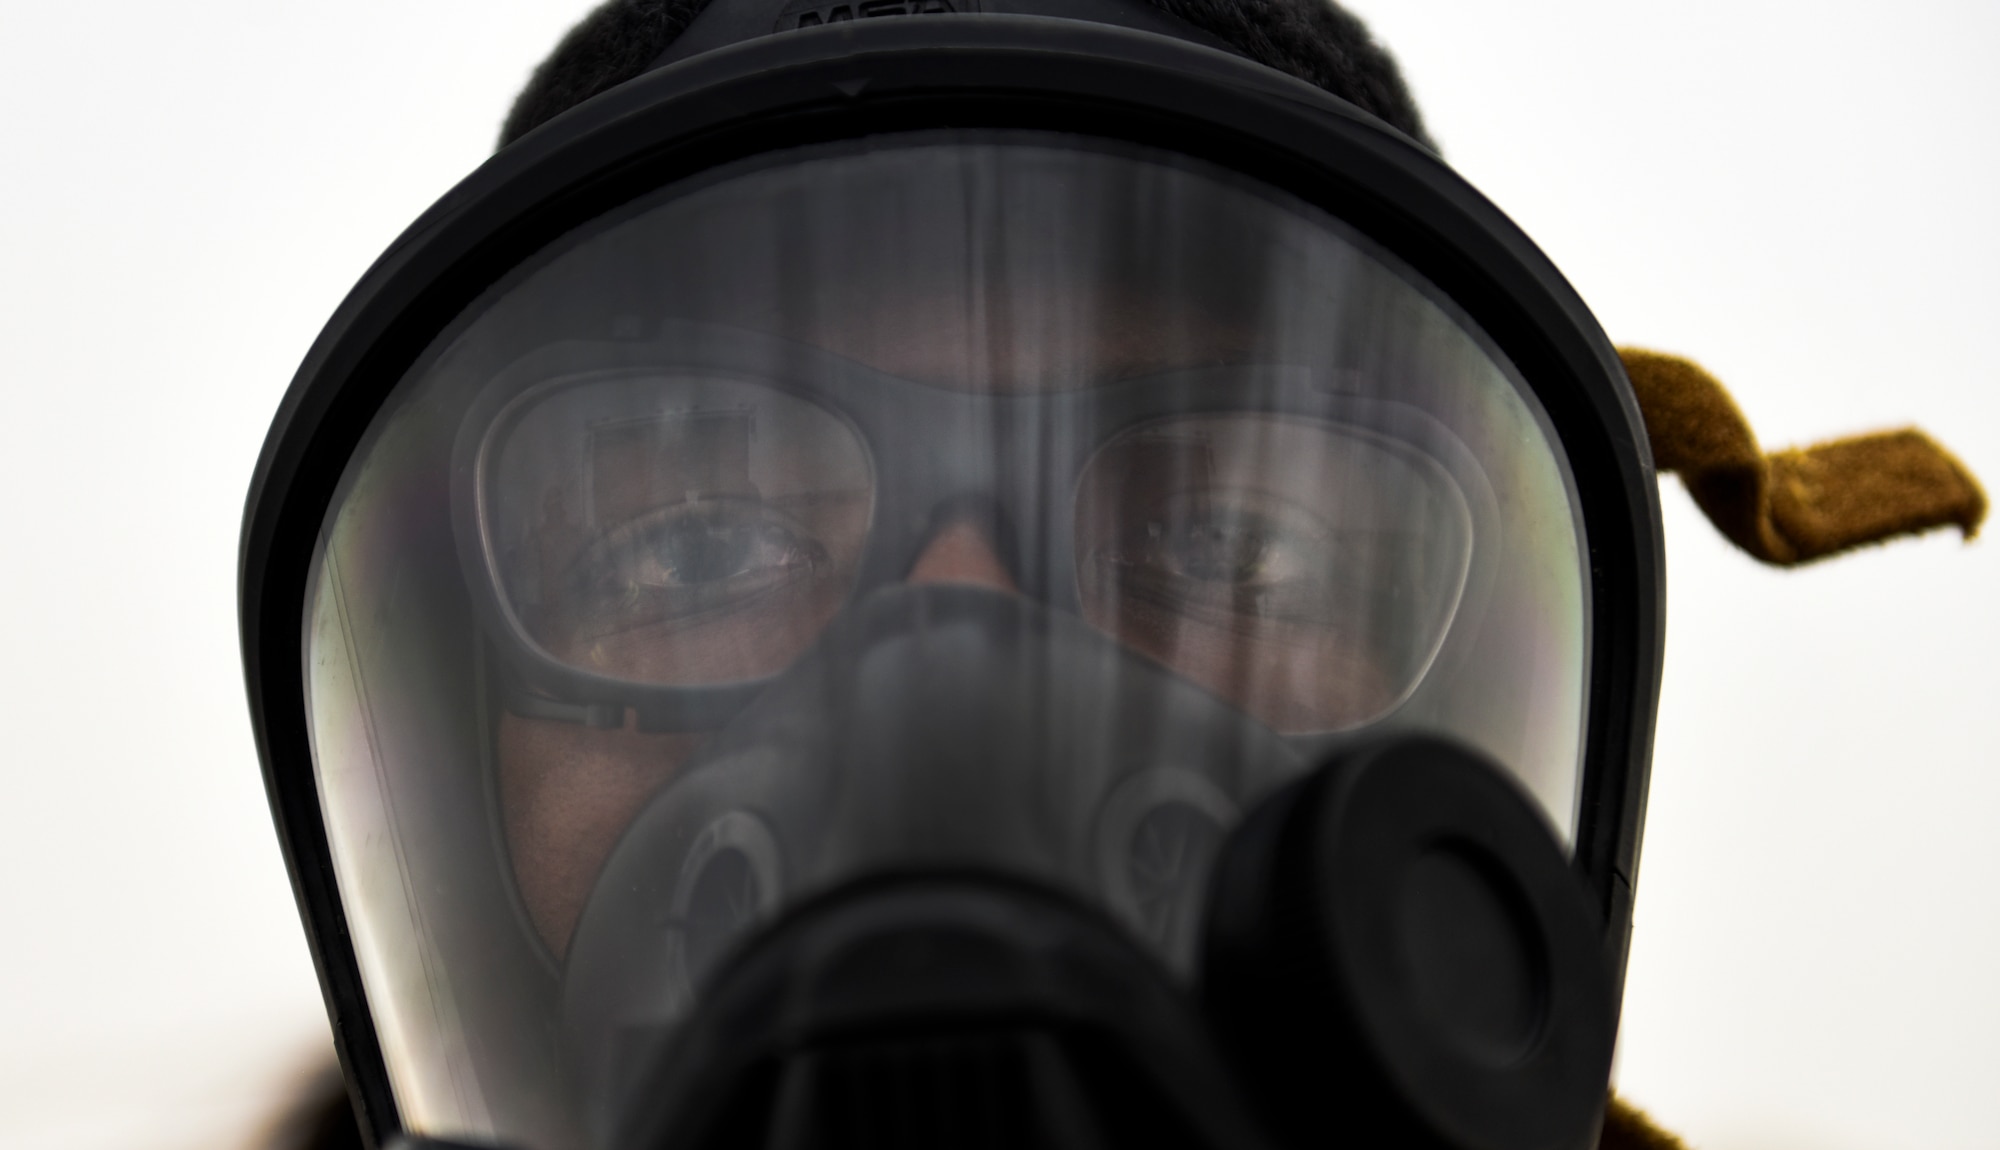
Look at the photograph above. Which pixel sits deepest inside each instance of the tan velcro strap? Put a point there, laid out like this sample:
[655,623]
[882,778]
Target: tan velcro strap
[1795,506]
[1626,1127]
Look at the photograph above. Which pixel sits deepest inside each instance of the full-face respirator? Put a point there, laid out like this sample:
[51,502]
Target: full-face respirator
[961,579]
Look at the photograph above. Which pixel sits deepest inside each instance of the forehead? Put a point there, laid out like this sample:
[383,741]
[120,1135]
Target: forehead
[1072,338]
[967,265]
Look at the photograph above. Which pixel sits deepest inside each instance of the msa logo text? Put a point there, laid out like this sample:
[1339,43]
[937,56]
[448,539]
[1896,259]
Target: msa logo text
[813,13]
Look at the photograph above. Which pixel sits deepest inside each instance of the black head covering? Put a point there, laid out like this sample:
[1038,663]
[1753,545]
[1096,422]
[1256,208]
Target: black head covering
[1313,40]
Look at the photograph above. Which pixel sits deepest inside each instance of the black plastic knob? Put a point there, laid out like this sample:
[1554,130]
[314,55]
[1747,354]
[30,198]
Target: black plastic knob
[1398,954]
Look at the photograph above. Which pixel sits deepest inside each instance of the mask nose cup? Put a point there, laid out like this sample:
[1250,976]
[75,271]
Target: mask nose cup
[934,730]
[1398,953]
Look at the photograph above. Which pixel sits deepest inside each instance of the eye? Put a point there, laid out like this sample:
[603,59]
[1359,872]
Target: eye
[1230,545]
[688,562]
[1238,553]
[712,542]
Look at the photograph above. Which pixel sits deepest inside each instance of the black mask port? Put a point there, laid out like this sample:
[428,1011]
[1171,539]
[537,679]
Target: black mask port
[1398,954]
[938,1013]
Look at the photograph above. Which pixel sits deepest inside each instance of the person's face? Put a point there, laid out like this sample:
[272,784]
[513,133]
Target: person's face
[567,791]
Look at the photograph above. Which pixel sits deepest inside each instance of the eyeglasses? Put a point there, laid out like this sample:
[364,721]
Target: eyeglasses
[677,523]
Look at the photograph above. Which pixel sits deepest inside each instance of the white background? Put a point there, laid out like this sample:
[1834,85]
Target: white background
[1802,196]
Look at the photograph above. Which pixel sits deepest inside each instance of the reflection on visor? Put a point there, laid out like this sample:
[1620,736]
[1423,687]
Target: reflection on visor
[685,532]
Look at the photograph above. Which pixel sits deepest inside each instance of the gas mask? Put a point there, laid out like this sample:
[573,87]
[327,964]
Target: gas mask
[961,580]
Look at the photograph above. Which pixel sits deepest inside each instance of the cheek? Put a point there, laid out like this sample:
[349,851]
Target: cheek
[1293,683]
[566,792]
[745,645]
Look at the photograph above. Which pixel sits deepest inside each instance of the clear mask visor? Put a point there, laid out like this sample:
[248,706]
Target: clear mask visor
[640,547]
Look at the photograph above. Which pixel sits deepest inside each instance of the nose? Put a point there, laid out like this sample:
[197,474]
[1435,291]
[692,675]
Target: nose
[961,553]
